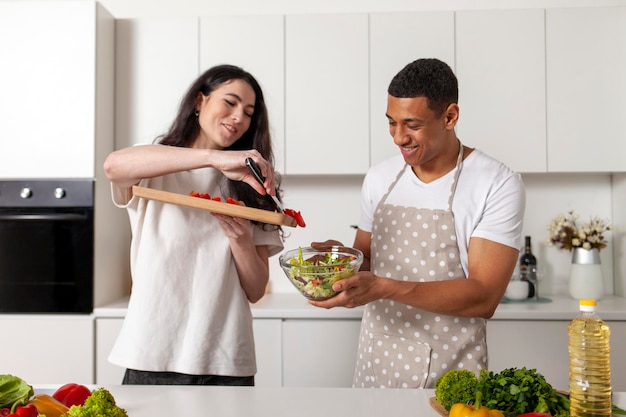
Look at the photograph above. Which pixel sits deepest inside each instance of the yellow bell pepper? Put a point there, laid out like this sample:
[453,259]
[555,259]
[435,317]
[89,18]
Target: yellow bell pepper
[48,406]
[466,410]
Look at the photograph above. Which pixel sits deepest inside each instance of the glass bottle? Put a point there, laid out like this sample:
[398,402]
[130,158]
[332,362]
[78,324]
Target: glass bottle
[589,364]
[528,269]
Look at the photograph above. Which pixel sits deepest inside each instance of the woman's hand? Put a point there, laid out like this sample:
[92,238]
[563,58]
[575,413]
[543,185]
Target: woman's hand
[233,166]
[233,227]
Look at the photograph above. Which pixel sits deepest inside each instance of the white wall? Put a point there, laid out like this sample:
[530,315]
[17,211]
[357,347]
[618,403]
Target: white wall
[186,8]
[331,204]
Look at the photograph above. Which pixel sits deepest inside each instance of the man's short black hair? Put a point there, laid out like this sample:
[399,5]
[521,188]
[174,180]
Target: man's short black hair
[429,78]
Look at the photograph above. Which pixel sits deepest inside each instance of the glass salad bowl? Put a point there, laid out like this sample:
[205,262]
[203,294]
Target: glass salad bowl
[313,271]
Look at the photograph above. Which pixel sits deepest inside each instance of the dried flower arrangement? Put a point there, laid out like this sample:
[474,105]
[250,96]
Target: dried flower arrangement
[567,235]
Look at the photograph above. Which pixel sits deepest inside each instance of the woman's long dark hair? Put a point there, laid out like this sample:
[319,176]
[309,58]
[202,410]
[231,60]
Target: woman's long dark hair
[185,128]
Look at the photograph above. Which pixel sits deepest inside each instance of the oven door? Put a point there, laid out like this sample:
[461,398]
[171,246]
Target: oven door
[46,260]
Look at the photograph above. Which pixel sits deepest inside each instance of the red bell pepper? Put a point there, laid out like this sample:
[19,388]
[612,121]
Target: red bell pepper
[296,215]
[28,410]
[72,394]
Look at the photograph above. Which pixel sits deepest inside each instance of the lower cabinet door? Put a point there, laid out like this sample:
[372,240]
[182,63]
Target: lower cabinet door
[268,346]
[319,353]
[107,330]
[48,350]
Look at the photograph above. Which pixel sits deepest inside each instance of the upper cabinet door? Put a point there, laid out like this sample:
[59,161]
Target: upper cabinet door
[586,71]
[502,87]
[156,61]
[327,100]
[397,39]
[48,88]
[255,43]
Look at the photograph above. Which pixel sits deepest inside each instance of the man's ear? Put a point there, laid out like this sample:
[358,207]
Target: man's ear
[451,115]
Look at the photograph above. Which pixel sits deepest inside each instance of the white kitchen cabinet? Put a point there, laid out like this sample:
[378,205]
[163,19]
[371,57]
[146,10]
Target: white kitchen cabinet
[319,353]
[542,345]
[396,39]
[57,88]
[586,63]
[156,61]
[267,334]
[257,45]
[268,346]
[326,90]
[48,349]
[107,329]
[501,71]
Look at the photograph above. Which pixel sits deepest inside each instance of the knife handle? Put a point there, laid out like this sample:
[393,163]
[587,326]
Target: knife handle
[256,172]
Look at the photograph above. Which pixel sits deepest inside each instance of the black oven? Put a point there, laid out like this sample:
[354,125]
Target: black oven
[46,246]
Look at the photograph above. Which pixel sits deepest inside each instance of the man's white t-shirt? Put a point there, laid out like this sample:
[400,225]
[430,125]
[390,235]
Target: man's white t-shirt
[489,200]
[187,312]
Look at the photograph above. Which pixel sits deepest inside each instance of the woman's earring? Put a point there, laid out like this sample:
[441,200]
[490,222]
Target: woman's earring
[197,113]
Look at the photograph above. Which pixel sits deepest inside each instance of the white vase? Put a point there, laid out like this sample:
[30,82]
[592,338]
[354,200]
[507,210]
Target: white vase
[585,281]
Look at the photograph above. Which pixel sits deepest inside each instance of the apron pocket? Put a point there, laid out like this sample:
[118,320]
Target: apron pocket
[398,362]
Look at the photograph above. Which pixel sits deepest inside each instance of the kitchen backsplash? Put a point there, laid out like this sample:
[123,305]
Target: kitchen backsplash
[331,204]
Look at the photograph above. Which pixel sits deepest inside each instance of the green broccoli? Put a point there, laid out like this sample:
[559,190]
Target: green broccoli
[456,386]
[99,404]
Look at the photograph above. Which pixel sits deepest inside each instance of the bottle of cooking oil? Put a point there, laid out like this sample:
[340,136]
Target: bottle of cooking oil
[589,364]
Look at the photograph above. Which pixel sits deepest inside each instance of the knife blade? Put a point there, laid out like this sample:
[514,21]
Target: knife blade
[256,173]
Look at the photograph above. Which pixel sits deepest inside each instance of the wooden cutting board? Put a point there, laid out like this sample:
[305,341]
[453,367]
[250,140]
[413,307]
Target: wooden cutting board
[233,210]
[442,411]
[438,407]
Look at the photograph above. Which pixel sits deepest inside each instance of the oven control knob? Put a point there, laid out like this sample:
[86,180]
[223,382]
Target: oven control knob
[26,192]
[59,192]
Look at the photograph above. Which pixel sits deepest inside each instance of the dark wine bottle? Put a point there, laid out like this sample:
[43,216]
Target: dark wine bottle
[528,269]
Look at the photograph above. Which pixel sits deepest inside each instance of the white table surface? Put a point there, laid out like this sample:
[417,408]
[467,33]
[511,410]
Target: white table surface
[192,401]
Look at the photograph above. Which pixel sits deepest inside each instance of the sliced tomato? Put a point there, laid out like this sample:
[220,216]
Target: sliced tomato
[194,194]
[218,198]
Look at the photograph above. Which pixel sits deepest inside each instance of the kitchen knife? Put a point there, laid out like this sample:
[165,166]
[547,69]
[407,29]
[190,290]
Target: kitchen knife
[256,172]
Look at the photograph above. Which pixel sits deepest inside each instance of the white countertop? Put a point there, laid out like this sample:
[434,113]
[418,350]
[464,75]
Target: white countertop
[199,401]
[294,306]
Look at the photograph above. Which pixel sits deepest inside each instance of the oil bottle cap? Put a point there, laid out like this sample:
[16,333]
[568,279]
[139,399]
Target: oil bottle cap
[587,305]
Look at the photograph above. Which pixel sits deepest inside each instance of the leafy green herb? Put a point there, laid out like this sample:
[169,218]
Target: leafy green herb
[99,404]
[456,386]
[520,390]
[12,390]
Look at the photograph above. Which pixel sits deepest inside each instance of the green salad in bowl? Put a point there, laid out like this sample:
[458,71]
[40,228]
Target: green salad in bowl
[313,271]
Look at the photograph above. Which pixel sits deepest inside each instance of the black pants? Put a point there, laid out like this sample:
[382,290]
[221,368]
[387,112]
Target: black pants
[133,377]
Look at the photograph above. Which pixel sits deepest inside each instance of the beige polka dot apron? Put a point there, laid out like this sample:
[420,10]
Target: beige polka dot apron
[401,346]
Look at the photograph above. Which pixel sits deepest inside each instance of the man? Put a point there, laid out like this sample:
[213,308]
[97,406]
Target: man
[440,229]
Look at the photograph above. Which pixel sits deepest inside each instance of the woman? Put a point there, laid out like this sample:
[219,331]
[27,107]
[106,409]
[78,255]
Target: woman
[194,273]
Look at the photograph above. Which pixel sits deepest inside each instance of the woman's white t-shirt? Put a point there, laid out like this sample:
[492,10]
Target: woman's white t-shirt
[489,200]
[187,311]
